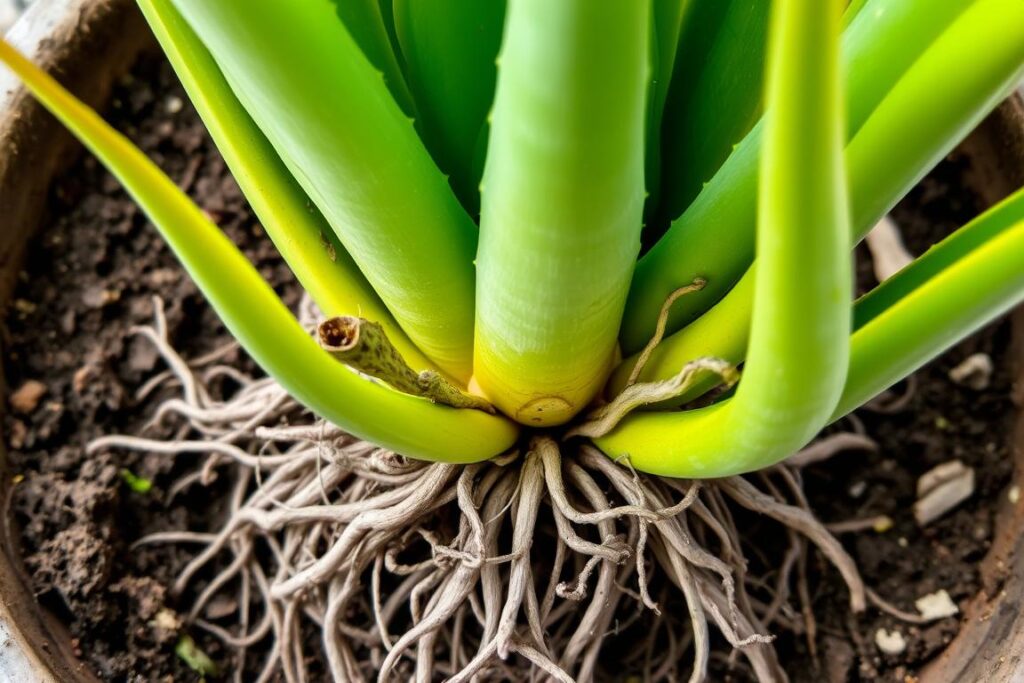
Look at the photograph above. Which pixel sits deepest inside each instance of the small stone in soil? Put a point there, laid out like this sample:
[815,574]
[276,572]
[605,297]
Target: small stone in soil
[97,297]
[83,376]
[937,605]
[974,372]
[891,643]
[26,397]
[173,104]
[24,307]
[941,489]
[939,474]
[17,433]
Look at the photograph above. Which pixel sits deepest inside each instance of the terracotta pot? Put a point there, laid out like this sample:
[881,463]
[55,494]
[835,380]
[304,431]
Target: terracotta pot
[89,43]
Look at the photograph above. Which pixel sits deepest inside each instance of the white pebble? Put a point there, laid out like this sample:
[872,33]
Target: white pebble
[941,490]
[937,605]
[890,643]
[173,104]
[939,474]
[974,372]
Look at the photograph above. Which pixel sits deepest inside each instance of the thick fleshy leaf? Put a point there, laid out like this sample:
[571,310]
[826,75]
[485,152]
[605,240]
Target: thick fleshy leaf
[256,317]
[329,115]
[799,348]
[298,230]
[563,194]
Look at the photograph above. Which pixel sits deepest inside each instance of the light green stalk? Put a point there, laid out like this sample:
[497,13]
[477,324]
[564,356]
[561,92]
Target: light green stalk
[920,121]
[800,330]
[326,110]
[301,235]
[562,199]
[449,48]
[715,97]
[257,318]
[714,238]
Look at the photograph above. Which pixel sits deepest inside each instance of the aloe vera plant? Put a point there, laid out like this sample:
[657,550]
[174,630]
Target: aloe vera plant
[483,172]
[525,309]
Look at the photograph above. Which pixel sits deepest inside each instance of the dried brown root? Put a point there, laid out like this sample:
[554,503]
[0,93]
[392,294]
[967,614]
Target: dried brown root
[526,567]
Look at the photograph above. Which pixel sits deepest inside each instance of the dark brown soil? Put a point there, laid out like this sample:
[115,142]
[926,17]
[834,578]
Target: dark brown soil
[91,275]
[943,421]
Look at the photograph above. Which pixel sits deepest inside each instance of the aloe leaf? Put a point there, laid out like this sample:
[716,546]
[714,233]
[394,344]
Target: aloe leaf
[959,284]
[800,330]
[890,154]
[449,47]
[563,194]
[666,25]
[256,317]
[364,20]
[968,293]
[899,32]
[853,8]
[723,331]
[714,238]
[947,92]
[298,230]
[329,115]
[715,97]
[940,257]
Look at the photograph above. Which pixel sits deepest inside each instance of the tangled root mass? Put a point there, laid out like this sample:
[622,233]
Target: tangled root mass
[520,568]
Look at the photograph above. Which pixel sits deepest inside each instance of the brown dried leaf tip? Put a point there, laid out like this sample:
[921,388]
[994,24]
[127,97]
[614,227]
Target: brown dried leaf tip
[363,345]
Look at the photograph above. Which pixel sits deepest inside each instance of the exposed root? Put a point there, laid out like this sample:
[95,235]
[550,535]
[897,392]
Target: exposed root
[526,567]
[888,253]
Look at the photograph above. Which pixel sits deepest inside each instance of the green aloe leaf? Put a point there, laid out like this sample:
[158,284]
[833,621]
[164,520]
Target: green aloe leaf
[298,230]
[449,48]
[714,238]
[918,122]
[964,282]
[331,118]
[366,24]
[563,195]
[256,317]
[715,97]
[799,348]
[666,26]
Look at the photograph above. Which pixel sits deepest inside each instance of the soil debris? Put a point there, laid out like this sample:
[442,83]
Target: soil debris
[942,489]
[975,371]
[26,398]
[890,642]
[937,605]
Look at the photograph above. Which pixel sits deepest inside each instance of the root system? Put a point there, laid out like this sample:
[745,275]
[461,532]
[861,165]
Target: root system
[519,568]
